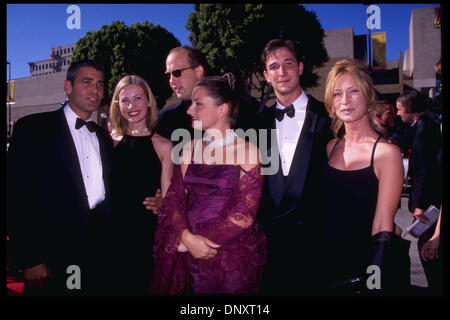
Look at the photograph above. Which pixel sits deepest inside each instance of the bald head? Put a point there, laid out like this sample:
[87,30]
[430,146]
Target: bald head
[184,69]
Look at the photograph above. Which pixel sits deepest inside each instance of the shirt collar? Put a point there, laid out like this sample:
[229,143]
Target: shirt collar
[299,104]
[72,116]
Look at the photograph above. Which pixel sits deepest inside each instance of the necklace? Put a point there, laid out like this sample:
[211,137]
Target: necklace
[221,142]
[138,131]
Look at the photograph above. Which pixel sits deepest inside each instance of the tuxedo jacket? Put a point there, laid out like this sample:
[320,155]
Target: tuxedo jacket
[48,209]
[174,117]
[424,169]
[292,207]
[294,199]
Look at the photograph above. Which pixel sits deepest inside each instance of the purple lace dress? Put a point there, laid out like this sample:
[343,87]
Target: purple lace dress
[221,207]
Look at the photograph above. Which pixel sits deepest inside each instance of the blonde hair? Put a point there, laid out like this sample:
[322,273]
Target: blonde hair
[360,73]
[117,119]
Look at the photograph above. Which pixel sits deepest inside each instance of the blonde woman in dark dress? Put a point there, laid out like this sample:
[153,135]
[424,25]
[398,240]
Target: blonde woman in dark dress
[142,169]
[363,181]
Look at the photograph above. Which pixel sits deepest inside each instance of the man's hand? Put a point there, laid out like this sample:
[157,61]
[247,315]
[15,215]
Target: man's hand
[430,249]
[153,203]
[37,276]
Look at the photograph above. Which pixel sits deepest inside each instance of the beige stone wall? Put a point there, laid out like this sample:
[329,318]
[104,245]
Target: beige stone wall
[426,50]
[38,94]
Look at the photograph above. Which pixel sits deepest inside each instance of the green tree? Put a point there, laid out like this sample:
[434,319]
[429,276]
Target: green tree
[139,49]
[232,37]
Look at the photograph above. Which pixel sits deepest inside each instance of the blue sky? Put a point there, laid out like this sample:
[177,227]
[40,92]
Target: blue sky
[33,29]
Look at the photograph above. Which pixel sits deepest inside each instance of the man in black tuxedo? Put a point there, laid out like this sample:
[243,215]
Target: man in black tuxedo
[291,206]
[58,192]
[424,172]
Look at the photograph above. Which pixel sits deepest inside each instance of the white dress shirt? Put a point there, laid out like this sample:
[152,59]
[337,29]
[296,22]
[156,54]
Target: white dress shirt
[88,152]
[288,131]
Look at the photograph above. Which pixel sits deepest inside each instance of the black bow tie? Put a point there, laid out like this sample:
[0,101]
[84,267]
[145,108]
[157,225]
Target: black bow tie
[290,111]
[89,124]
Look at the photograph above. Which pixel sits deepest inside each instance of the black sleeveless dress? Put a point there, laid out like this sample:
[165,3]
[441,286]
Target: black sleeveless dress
[351,204]
[136,174]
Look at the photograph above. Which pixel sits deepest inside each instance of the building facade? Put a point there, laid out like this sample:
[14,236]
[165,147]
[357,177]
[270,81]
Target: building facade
[59,60]
[412,69]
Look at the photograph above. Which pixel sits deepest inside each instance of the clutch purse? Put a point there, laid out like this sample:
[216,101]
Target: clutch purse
[418,227]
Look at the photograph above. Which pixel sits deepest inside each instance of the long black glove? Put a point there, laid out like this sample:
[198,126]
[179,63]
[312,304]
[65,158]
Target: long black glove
[391,254]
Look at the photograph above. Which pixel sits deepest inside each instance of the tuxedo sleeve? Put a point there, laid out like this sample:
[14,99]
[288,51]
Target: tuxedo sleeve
[425,176]
[24,210]
[239,212]
[164,125]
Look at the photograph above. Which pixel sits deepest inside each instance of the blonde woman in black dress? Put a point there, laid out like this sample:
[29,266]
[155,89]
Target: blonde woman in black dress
[142,169]
[363,181]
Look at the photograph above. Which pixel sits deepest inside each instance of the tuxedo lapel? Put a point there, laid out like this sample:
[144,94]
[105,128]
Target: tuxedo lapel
[300,161]
[295,184]
[275,181]
[65,147]
[287,191]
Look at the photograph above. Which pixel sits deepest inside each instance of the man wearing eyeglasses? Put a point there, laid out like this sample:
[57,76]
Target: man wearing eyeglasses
[185,65]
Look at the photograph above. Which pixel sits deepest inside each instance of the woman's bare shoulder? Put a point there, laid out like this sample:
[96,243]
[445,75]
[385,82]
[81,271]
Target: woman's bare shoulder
[156,138]
[387,157]
[387,149]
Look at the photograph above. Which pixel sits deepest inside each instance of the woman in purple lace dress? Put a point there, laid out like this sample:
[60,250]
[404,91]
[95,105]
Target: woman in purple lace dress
[207,239]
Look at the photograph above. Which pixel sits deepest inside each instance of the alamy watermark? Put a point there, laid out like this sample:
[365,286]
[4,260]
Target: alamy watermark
[74,20]
[374,280]
[374,20]
[231,153]
[74,280]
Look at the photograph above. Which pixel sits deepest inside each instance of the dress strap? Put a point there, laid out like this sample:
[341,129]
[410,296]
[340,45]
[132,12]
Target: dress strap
[151,135]
[332,150]
[245,171]
[373,150]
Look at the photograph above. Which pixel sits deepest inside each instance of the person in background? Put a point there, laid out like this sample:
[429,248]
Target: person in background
[141,166]
[384,117]
[424,172]
[431,253]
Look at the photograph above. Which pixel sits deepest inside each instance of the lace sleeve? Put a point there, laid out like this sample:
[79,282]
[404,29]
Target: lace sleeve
[239,213]
[170,273]
[172,215]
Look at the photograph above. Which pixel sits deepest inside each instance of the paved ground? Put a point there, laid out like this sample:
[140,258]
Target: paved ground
[403,219]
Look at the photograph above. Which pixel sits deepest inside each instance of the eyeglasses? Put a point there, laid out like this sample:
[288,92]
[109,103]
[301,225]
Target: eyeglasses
[177,73]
